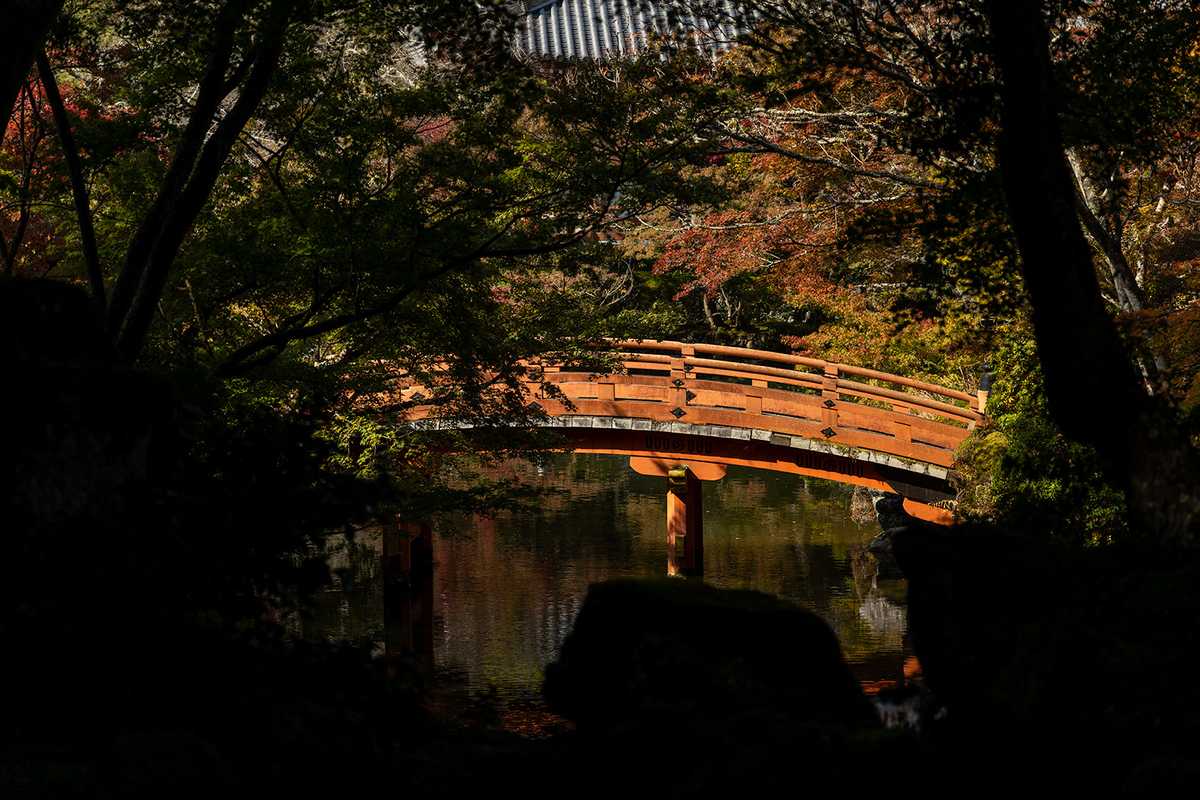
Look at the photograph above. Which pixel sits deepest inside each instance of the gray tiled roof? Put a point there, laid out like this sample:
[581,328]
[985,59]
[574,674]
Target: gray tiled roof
[569,30]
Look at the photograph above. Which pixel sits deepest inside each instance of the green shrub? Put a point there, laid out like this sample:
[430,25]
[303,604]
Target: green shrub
[1023,472]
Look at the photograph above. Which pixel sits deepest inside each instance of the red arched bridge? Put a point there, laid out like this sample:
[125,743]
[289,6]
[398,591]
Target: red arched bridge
[690,410]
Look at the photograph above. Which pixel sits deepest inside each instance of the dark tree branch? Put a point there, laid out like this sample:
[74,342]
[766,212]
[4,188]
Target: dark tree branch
[212,90]
[31,136]
[177,222]
[79,192]
[755,144]
[26,23]
[266,349]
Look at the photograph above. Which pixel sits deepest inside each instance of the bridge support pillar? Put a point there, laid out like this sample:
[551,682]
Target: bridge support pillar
[685,509]
[408,592]
[685,523]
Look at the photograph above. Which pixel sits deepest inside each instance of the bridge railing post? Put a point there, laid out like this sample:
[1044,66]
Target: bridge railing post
[537,391]
[985,388]
[981,399]
[829,393]
[679,370]
[753,399]
[901,429]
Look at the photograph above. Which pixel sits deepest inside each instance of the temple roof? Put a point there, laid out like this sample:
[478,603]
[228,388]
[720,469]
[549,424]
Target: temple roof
[574,30]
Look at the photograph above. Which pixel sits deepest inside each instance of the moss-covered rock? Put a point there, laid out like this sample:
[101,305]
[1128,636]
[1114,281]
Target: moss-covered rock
[660,646]
[688,690]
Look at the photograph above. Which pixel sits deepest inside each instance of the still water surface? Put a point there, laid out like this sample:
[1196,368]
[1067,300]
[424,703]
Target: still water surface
[507,588]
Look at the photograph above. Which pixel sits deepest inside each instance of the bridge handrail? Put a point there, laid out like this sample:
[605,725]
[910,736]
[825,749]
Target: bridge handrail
[810,380]
[633,353]
[788,358]
[665,382]
[828,370]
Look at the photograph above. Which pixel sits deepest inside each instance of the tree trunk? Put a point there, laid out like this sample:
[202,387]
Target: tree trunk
[26,23]
[79,192]
[1129,295]
[180,211]
[1091,386]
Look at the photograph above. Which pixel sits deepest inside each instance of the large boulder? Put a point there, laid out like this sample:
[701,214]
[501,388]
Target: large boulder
[646,647]
[685,690]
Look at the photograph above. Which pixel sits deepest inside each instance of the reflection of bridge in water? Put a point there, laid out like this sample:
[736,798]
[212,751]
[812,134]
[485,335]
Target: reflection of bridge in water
[688,411]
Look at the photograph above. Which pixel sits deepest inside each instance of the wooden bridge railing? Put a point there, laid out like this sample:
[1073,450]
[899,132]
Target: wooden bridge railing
[739,388]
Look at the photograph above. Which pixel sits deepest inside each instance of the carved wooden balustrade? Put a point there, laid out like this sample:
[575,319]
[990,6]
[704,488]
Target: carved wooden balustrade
[709,385]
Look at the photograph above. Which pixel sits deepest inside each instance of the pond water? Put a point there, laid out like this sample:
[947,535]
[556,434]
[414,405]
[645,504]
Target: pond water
[506,588]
